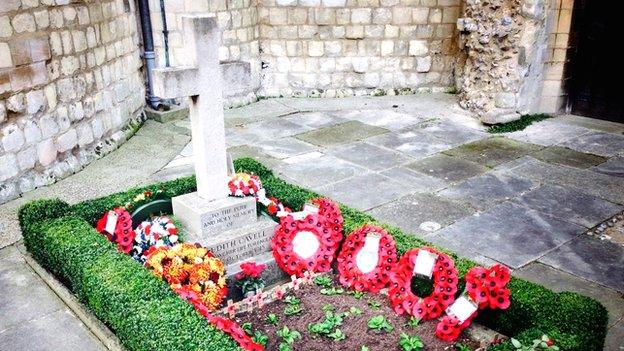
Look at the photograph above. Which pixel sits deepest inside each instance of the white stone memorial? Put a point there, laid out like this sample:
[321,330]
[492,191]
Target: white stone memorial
[228,226]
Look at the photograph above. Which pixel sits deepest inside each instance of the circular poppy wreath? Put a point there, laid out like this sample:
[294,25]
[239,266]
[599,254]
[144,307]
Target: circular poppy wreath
[366,259]
[330,211]
[244,184]
[157,232]
[123,234]
[305,245]
[444,280]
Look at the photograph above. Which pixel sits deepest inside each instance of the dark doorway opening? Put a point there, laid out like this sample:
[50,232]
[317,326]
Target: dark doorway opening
[595,69]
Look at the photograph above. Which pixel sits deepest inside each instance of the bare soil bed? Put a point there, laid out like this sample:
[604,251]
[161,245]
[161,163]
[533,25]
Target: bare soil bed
[314,305]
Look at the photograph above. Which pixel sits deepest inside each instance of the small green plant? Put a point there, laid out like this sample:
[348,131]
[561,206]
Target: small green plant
[288,338]
[364,348]
[413,322]
[328,307]
[410,343]
[337,335]
[260,338]
[544,343]
[332,291]
[291,300]
[357,294]
[373,303]
[460,347]
[292,310]
[247,328]
[323,280]
[520,124]
[325,327]
[272,319]
[379,324]
[354,311]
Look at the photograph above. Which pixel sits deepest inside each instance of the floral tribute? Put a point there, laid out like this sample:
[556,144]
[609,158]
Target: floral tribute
[375,251]
[116,225]
[249,279]
[307,241]
[152,234]
[444,278]
[244,184]
[191,270]
[485,288]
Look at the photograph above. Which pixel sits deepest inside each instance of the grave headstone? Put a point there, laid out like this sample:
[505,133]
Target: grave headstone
[228,226]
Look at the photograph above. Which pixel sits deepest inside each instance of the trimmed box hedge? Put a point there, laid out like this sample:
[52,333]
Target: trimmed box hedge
[147,315]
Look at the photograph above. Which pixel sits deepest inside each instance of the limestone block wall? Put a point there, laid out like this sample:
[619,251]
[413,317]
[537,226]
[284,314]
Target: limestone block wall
[345,47]
[70,82]
[238,21]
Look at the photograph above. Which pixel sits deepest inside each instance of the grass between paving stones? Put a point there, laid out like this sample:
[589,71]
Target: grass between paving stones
[146,315]
[513,126]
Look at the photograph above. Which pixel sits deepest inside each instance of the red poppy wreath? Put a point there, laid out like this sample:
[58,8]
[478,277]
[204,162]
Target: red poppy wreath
[430,263]
[117,226]
[366,259]
[308,244]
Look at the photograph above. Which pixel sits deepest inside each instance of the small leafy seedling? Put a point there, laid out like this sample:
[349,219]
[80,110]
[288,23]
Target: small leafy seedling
[337,335]
[413,322]
[291,300]
[357,294]
[292,310]
[272,319]
[260,338]
[379,324]
[461,347]
[331,321]
[247,328]
[544,343]
[364,348]
[354,311]
[373,303]
[410,343]
[323,280]
[328,307]
[332,291]
[288,336]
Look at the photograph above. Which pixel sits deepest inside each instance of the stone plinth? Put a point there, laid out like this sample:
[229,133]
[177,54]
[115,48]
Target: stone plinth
[205,221]
[241,244]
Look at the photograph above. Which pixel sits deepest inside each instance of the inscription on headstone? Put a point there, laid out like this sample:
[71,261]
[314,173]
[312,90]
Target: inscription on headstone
[242,246]
[227,218]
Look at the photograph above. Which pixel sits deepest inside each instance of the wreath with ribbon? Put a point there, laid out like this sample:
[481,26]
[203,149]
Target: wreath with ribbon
[365,245]
[157,232]
[244,184]
[444,279]
[485,288]
[122,235]
[308,244]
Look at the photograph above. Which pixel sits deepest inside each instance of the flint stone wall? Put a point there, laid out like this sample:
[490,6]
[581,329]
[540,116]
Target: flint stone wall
[70,87]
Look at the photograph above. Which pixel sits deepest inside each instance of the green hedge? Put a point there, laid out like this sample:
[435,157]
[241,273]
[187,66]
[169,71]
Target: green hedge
[576,322]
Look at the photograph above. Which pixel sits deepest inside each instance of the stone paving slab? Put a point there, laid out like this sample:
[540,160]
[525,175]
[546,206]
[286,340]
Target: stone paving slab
[491,152]
[261,110]
[417,144]
[613,167]
[592,183]
[598,143]
[508,233]
[341,133]
[590,123]
[318,169]
[255,153]
[567,157]
[59,330]
[615,337]
[314,119]
[269,129]
[569,205]
[558,280]
[449,130]
[447,168]
[417,181]
[389,119]
[285,147]
[365,191]
[409,212]
[488,189]
[596,260]
[369,156]
[547,133]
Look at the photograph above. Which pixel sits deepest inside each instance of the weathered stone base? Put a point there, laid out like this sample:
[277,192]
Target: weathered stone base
[206,221]
[174,113]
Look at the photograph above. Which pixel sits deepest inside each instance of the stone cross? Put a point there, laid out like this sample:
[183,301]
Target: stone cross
[202,84]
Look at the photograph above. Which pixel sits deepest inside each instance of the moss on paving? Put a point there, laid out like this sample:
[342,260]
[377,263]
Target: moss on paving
[513,126]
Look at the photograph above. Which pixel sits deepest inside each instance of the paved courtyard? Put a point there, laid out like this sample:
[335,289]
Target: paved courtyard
[526,199]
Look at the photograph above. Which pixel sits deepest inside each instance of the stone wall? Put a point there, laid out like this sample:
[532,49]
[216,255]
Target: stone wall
[329,47]
[70,84]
